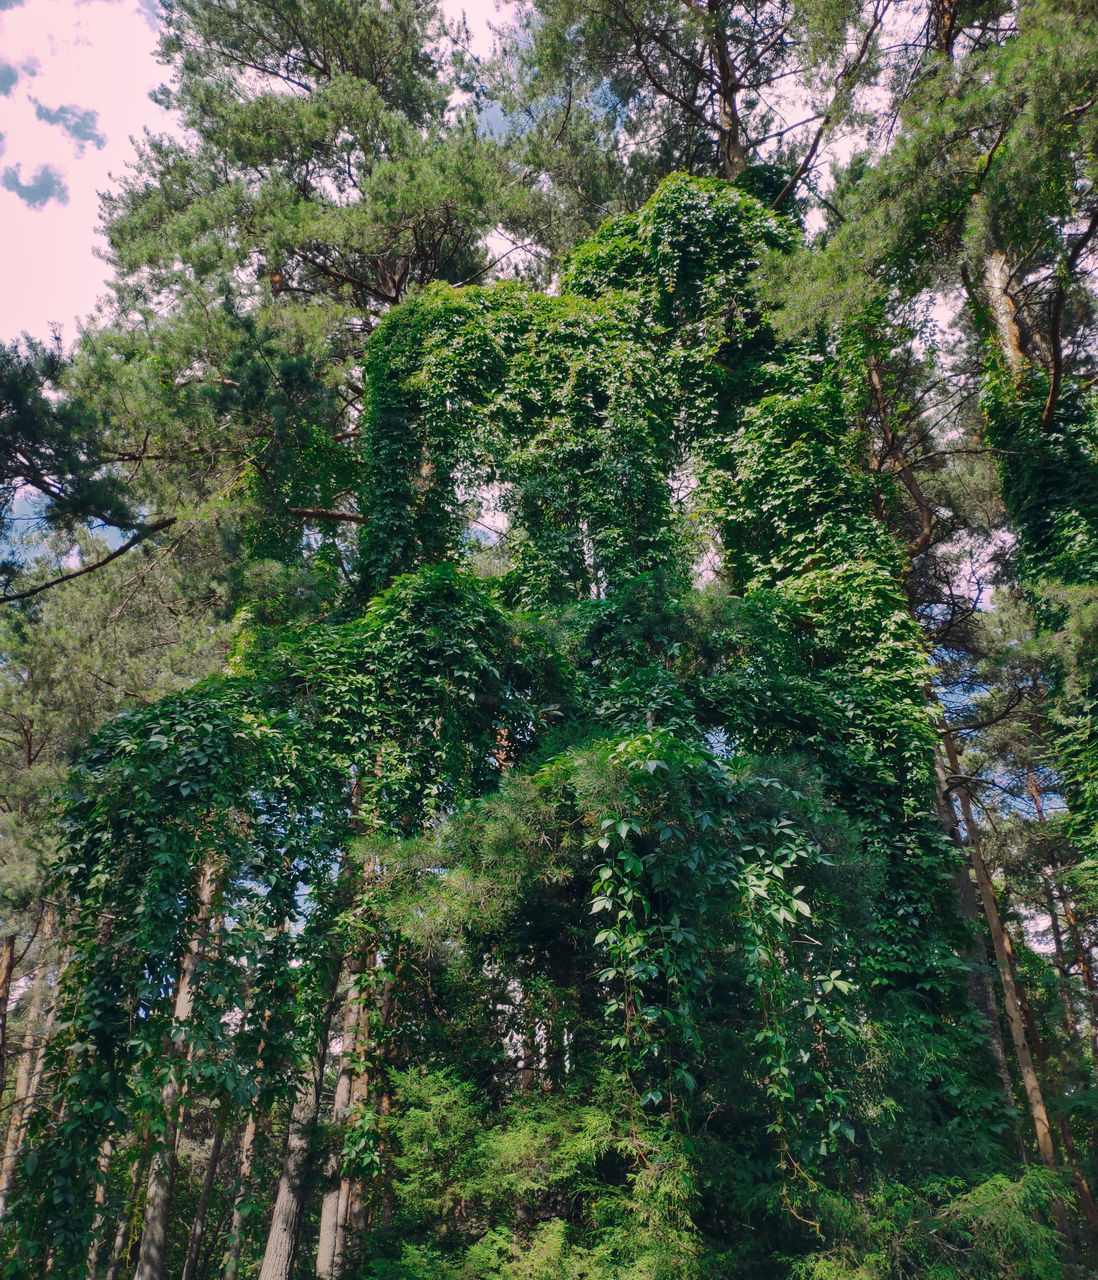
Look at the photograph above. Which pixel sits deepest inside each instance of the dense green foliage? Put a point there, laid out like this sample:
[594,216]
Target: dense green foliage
[519,837]
[742,900]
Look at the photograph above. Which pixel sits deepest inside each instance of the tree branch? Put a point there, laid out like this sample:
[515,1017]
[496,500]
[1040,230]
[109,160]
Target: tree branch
[138,537]
[852,65]
[1056,319]
[328,513]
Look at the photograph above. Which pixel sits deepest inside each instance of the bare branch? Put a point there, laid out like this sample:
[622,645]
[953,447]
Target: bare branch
[137,538]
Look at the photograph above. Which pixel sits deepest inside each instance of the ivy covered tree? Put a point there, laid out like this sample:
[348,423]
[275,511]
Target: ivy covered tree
[575,856]
[595,853]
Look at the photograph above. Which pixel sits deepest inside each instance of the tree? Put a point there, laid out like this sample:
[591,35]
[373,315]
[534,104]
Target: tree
[52,463]
[690,784]
[747,92]
[563,875]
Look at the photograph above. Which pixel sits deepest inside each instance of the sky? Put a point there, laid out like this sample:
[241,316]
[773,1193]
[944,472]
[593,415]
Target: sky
[75,78]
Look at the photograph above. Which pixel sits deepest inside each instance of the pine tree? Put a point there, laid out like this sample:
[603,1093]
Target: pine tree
[566,872]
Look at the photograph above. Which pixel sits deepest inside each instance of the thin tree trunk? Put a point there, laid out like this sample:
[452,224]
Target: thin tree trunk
[342,1209]
[198,1226]
[332,1244]
[383,1053]
[158,1197]
[7,968]
[1033,1031]
[282,1237]
[231,1268]
[1086,966]
[21,1103]
[244,1178]
[981,993]
[1082,1187]
[384,1107]
[1070,1022]
[32,1062]
[125,1220]
[103,1171]
[894,458]
[1004,958]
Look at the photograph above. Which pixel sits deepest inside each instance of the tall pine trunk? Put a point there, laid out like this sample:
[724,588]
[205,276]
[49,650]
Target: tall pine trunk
[125,1220]
[198,1226]
[282,1236]
[32,1062]
[1004,959]
[103,1170]
[332,1243]
[7,968]
[152,1259]
[1086,966]
[981,993]
[284,1230]
[244,1180]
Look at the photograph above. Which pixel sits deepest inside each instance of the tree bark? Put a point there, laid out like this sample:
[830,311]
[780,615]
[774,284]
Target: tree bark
[125,1220]
[730,142]
[198,1226]
[1086,966]
[282,1235]
[244,1178]
[980,990]
[103,1170]
[247,1157]
[332,1244]
[7,968]
[282,1238]
[32,1062]
[1071,1024]
[151,1258]
[1004,958]
[1004,312]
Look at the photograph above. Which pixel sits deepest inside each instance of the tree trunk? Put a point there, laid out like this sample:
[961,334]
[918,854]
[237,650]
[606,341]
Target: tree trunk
[1086,966]
[125,1220]
[332,1244]
[980,990]
[1004,311]
[1071,1024]
[194,1243]
[733,153]
[32,1062]
[247,1156]
[1004,958]
[103,1171]
[7,968]
[244,1178]
[158,1197]
[282,1237]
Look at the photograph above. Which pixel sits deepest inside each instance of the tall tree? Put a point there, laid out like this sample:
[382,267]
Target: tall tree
[574,757]
[675,845]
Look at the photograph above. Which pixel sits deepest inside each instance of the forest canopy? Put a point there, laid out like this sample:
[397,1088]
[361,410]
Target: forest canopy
[549,700]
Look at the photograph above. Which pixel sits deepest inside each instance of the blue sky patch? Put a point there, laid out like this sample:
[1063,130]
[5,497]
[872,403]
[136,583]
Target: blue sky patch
[81,124]
[47,184]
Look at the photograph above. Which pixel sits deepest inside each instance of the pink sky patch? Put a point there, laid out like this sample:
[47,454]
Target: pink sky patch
[75,76]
